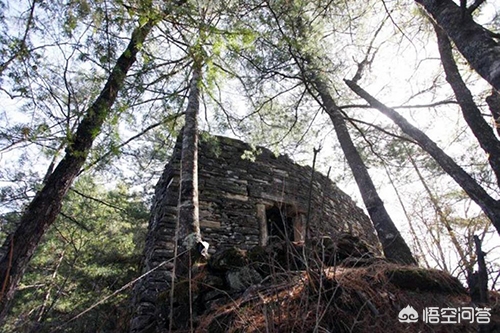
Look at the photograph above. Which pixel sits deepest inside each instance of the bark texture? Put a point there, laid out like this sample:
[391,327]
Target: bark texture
[472,115]
[393,244]
[189,224]
[482,271]
[490,206]
[44,208]
[471,39]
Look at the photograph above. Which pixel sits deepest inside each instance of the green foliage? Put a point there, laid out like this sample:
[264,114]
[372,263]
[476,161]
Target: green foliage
[93,250]
[251,155]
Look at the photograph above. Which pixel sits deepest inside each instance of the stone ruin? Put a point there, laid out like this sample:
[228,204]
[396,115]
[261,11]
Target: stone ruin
[246,200]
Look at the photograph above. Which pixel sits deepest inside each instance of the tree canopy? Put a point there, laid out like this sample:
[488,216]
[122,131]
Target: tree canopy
[95,92]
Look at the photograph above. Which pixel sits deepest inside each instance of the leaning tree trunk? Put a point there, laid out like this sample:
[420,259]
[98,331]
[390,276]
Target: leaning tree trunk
[44,208]
[474,42]
[472,115]
[490,206]
[393,244]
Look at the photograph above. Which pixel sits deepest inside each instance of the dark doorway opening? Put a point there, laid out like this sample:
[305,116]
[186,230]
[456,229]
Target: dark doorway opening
[279,224]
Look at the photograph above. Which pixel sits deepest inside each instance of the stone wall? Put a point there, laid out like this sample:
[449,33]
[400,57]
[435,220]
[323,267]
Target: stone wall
[237,199]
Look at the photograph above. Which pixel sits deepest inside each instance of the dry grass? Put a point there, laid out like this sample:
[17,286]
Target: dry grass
[340,299]
[301,293]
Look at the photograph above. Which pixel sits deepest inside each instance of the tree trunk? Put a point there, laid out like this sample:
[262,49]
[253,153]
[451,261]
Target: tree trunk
[188,217]
[471,39]
[472,115]
[44,208]
[482,272]
[393,244]
[190,247]
[490,206]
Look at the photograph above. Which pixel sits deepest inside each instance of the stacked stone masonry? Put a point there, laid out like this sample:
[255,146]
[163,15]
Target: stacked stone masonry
[237,197]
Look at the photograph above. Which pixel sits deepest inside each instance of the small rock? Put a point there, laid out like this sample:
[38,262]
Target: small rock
[241,279]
